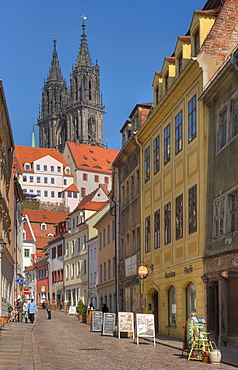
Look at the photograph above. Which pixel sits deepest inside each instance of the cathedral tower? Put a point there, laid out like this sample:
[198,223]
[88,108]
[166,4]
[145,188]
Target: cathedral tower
[77,115]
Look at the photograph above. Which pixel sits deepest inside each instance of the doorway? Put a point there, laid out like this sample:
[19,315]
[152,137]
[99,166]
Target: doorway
[155,302]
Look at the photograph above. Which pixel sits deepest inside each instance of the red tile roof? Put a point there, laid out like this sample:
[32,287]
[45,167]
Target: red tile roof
[72,187]
[47,217]
[94,206]
[88,198]
[28,154]
[92,158]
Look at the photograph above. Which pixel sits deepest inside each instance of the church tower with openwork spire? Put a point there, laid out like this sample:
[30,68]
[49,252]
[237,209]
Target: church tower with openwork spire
[76,115]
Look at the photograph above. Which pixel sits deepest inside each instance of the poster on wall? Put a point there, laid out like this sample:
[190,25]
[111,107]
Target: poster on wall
[96,321]
[145,326]
[125,323]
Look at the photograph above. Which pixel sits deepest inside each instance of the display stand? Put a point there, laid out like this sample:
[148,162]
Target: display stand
[196,341]
[109,320]
[145,326]
[96,324]
[126,323]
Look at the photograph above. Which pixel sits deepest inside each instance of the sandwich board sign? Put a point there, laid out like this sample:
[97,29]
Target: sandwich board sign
[108,323]
[126,323]
[72,310]
[96,321]
[145,326]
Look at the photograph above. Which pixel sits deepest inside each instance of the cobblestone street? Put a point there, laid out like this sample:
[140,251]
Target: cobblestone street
[65,343]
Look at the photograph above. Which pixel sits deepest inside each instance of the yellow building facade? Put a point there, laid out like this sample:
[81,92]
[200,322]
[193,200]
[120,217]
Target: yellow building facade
[173,160]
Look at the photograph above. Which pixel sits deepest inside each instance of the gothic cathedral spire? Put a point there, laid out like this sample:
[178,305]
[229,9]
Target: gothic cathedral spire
[77,115]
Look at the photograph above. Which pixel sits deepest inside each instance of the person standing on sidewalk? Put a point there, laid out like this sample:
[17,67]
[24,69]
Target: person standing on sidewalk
[48,309]
[19,309]
[31,309]
[25,304]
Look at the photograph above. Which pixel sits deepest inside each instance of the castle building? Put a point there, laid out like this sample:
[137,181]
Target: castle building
[74,114]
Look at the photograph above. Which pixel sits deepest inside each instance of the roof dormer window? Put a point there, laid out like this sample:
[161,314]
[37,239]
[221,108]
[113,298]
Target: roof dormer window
[27,167]
[180,63]
[166,82]
[67,170]
[196,42]
[43,227]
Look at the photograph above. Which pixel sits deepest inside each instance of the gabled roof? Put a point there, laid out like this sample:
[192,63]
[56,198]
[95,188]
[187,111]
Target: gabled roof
[94,206]
[47,217]
[88,203]
[71,187]
[28,154]
[92,158]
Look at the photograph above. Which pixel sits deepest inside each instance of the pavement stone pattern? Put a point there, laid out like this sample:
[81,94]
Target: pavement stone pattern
[65,343]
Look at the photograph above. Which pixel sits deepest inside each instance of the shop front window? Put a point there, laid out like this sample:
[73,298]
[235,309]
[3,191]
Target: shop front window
[172,306]
[190,300]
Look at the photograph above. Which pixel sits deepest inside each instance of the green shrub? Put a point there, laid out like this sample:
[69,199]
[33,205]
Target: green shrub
[81,308]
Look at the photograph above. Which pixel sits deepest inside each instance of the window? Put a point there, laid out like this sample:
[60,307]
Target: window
[73,246]
[234,119]
[45,167]
[192,209]
[85,177]
[179,216]
[157,154]
[108,234]
[74,194]
[167,144]
[222,129]
[100,273]
[105,271]
[58,169]
[83,192]
[132,187]
[52,168]
[100,240]
[232,216]
[45,193]
[114,266]
[65,181]
[106,180]
[172,306]
[43,227]
[38,192]
[196,42]
[38,179]
[190,300]
[27,167]
[52,180]
[96,178]
[147,164]
[91,253]
[24,179]
[95,253]
[59,194]
[84,267]
[84,241]
[31,178]
[67,271]
[26,252]
[127,245]
[78,268]
[219,217]
[192,119]
[78,244]
[45,180]
[59,250]
[91,278]
[180,63]
[178,132]
[167,223]
[53,252]
[166,82]
[72,270]
[109,269]
[38,167]
[31,191]
[104,237]
[157,229]
[147,234]
[67,249]
[94,278]
[69,194]
[52,194]
[67,171]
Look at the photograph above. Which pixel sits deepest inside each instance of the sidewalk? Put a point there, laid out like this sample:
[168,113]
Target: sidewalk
[229,356]
[16,347]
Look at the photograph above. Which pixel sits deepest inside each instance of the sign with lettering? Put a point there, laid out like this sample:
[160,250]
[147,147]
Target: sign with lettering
[227,274]
[125,323]
[72,310]
[170,274]
[188,270]
[96,321]
[131,266]
[108,323]
[142,272]
[145,326]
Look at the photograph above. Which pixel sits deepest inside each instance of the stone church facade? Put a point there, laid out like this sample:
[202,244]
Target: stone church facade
[74,114]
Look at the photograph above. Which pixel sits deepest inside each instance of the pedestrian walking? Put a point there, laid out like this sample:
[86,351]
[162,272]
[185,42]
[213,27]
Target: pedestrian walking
[48,309]
[25,310]
[19,309]
[104,308]
[61,304]
[31,309]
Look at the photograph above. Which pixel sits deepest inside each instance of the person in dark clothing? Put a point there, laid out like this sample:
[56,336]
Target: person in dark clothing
[19,309]
[48,309]
[104,308]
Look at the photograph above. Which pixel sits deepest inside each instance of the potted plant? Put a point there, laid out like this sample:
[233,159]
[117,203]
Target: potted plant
[82,311]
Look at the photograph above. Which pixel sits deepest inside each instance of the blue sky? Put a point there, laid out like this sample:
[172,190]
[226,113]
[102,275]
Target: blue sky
[128,38]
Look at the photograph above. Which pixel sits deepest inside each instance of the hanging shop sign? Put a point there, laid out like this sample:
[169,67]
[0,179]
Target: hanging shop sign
[42,288]
[142,272]
[227,274]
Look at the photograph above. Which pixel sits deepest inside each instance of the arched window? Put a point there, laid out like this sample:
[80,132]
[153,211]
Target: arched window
[172,309]
[190,300]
